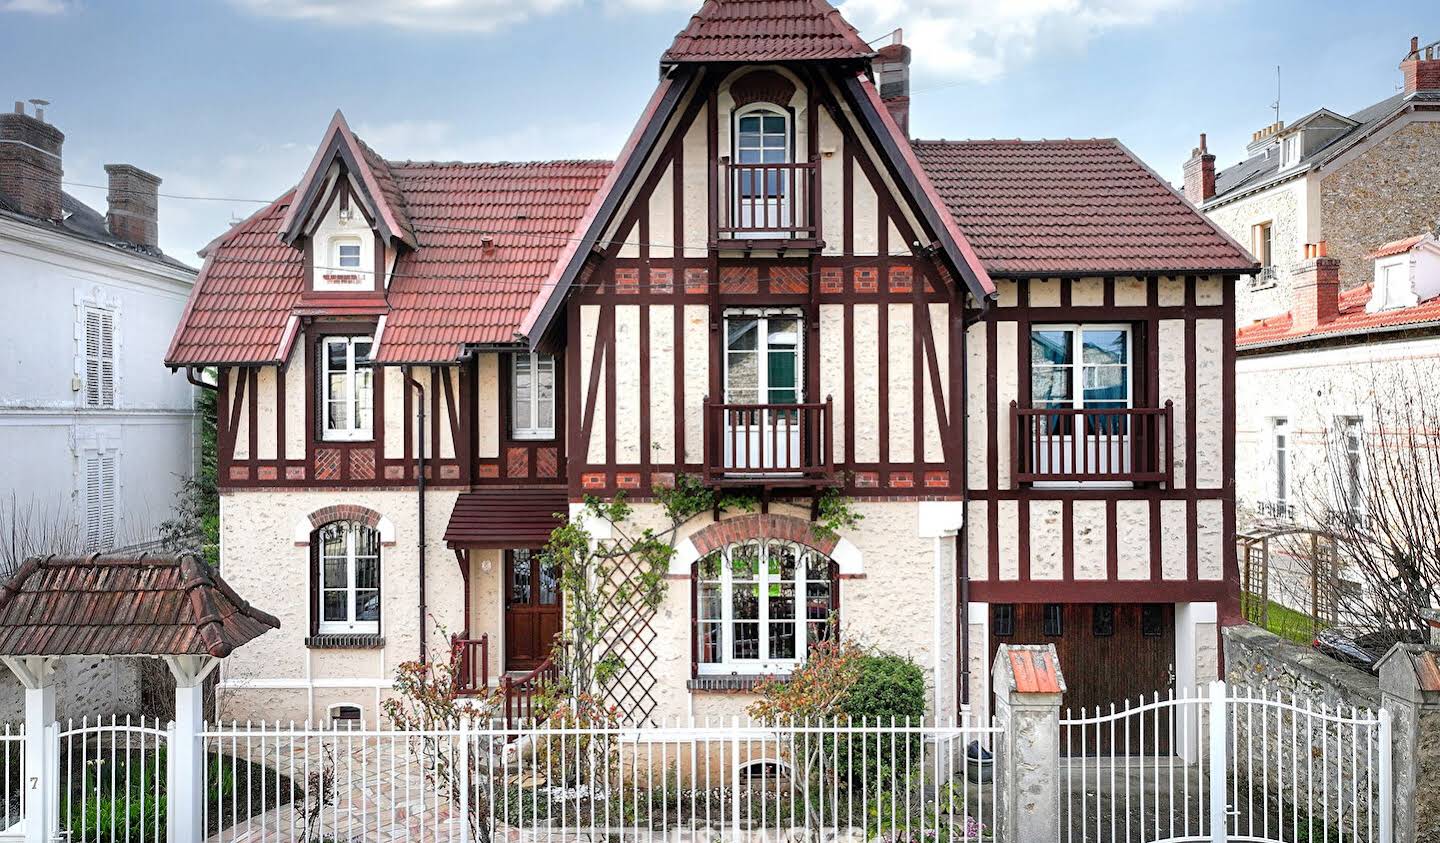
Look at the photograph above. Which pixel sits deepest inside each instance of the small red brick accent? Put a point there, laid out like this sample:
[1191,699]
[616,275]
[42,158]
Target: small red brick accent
[662,480]
[627,280]
[867,479]
[294,472]
[902,480]
[489,470]
[867,279]
[902,279]
[547,462]
[832,280]
[327,464]
[789,279]
[239,472]
[697,280]
[362,465]
[593,480]
[628,479]
[394,472]
[517,462]
[739,279]
[267,472]
[662,280]
[449,472]
[937,479]
[344,512]
[759,525]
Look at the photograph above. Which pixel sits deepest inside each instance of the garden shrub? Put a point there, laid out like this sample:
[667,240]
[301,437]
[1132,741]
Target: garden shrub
[888,689]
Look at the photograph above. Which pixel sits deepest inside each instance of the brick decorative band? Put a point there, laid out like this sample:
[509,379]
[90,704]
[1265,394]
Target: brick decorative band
[344,512]
[759,526]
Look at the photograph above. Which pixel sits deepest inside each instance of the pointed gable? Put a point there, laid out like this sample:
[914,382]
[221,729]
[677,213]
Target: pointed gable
[767,30]
[376,182]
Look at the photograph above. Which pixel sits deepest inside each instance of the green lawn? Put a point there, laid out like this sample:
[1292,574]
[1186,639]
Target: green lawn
[1281,620]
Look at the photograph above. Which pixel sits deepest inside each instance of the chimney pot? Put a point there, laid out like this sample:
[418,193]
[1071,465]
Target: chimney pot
[30,168]
[1200,174]
[892,72]
[134,203]
[1421,68]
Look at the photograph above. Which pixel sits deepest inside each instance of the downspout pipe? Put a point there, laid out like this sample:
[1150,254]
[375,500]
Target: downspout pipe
[420,505]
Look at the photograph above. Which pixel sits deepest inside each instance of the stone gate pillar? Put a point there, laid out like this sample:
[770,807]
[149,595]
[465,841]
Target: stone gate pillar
[1028,690]
[1410,691]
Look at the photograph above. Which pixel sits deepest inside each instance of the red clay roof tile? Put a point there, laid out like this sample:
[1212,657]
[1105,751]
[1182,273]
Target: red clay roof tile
[1351,319]
[767,30]
[1396,247]
[1072,206]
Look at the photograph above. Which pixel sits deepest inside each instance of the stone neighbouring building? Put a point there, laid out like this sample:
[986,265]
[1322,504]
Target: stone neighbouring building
[1351,182]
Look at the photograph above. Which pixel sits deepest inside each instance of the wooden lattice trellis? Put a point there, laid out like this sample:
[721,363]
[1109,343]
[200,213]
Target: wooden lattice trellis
[628,636]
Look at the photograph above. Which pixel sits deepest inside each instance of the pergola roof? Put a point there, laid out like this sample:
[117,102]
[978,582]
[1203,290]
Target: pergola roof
[124,606]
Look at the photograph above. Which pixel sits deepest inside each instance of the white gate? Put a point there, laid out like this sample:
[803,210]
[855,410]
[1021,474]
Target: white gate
[1231,765]
[112,780]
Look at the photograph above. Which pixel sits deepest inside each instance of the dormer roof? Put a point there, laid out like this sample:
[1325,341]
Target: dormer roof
[767,30]
[372,176]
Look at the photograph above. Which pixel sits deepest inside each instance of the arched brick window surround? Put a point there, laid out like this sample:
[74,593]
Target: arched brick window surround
[841,551]
[306,526]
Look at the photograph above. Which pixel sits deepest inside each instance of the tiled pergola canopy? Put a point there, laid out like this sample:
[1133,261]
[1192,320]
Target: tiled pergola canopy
[124,606]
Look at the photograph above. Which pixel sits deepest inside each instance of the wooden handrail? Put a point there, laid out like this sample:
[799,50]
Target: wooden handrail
[518,694]
[1121,444]
[767,199]
[792,443]
[471,657]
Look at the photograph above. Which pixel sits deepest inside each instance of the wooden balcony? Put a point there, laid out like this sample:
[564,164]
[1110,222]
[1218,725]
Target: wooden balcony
[769,444]
[1119,445]
[471,659]
[767,206]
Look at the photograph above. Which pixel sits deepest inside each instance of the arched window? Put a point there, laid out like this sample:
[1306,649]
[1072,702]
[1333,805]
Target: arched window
[762,137]
[761,605]
[346,579]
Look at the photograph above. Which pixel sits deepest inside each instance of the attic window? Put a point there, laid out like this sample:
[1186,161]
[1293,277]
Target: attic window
[347,253]
[1290,151]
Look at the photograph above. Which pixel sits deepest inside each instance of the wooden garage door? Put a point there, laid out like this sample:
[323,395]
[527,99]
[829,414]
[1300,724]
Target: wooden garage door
[1109,653]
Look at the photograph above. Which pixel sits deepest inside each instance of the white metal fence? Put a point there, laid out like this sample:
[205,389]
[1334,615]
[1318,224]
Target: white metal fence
[1230,765]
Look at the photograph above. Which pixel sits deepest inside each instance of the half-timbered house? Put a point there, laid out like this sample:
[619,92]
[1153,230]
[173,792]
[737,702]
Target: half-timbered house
[1014,358]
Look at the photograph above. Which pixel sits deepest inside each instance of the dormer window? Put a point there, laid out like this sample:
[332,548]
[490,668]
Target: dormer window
[763,175]
[1290,151]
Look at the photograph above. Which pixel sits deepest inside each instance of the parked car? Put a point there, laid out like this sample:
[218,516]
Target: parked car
[1362,650]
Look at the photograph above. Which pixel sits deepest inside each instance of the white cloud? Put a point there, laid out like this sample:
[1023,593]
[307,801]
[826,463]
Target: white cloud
[37,7]
[444,15]
[979,40]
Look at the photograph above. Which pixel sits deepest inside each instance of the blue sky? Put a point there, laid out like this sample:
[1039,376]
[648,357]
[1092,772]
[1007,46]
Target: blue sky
[227,98]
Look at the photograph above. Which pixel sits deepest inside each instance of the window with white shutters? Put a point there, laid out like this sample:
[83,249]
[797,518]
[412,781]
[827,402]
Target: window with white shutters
[99,357]
[99,501]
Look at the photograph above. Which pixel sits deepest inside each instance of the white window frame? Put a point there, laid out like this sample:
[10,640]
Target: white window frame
[101,504]
[1290,150]
[349,431]
[764,109]
[762,350]
[100,359]
[351,625]
[1350,477]
[1268,228]
[1076,364]
[337,263]
[533,361]
[763,665]
[1282,446]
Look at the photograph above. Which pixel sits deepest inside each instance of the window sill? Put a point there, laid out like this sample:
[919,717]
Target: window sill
[332,641]
[737,683]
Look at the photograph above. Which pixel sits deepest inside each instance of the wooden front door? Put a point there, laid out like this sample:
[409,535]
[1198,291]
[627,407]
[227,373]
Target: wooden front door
[1109,653]
[532,609]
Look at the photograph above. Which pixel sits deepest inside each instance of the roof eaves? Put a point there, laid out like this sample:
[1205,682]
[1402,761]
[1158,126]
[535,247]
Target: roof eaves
[913,178]
[1319,337]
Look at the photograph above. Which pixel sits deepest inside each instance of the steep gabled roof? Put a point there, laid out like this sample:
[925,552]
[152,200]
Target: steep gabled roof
[487,236]
[1072,207]
[377,184]
[767,30]
[124,606]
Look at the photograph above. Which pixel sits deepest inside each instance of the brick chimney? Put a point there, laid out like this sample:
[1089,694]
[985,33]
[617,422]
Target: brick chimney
[1200,174]
[1421,67]
[892,71]
[1315,287]
[134,205]
[30,162]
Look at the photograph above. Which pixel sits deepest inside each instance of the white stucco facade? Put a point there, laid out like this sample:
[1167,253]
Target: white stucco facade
[141,441]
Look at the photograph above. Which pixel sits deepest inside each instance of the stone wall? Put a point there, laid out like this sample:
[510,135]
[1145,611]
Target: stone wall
[1389,191]
[1268,664]
[1284,207]
[84,688]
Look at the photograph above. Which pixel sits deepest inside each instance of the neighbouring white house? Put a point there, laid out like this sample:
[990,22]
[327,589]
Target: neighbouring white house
[97,433]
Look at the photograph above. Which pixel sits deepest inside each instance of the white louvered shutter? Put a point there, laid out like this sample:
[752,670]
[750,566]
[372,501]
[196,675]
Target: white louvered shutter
[99,357]
[99,501]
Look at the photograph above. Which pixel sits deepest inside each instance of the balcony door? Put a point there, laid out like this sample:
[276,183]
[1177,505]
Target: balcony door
[762,179]
[1081,372]
[763,364]
[532,608]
